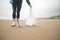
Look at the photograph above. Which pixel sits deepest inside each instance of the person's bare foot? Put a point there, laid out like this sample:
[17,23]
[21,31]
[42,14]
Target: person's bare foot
[18,24]
[13,24]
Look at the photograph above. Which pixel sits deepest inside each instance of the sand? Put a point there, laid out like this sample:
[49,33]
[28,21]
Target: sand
[46,29]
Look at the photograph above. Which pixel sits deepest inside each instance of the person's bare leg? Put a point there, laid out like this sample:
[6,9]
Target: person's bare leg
[17,20]
[14,22]
[18,24]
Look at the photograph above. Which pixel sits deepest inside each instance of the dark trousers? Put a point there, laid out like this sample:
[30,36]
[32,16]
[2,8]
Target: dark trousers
[16,9]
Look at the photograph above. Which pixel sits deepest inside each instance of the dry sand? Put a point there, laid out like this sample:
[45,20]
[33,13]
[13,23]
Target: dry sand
[46,29]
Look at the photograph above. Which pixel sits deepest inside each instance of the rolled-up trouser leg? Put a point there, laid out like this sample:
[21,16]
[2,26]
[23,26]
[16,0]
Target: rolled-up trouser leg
[14,10]
[18,10]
